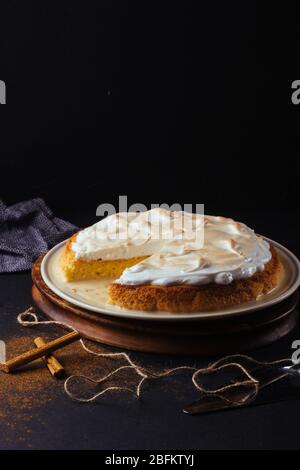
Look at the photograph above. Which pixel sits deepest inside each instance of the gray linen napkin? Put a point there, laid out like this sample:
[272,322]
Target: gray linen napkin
[28,229]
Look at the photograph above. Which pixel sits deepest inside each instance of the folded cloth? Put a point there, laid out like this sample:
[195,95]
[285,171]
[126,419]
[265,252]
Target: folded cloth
[28,229]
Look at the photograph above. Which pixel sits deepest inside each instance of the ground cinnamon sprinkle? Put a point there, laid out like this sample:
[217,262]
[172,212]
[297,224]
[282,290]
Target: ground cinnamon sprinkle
[27,394]
[32,385]
[26,387]
[24,392]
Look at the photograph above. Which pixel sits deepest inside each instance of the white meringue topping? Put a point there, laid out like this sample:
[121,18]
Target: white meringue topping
[181,247]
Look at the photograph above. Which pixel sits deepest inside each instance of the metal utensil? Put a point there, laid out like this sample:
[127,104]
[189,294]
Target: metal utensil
[274,373]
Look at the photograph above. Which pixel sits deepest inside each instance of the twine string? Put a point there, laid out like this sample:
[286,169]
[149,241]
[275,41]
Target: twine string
[29,319]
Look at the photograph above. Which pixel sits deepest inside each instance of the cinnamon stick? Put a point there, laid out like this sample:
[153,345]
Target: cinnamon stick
[37,353]
[54,366]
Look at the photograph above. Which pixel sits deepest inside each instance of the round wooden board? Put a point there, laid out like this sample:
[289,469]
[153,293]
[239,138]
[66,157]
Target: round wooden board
[201,337]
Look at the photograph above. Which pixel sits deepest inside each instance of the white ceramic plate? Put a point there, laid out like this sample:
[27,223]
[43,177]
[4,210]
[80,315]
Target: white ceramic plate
[92,295]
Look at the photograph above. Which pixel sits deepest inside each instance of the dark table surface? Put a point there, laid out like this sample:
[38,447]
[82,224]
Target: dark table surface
[119,421]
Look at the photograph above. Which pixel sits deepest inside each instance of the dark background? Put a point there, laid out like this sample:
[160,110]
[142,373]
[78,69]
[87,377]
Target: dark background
[185,102]
[162,101]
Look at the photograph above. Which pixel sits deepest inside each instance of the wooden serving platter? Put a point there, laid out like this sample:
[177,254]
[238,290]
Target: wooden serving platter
[199,337]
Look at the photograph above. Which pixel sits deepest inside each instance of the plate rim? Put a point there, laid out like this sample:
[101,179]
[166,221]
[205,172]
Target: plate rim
[168,316]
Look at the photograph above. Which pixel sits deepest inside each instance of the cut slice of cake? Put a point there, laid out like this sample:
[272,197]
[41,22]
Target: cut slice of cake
[124,239]
[76,269]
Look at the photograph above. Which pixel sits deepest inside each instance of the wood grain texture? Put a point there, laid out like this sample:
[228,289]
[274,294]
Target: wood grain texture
[205,337]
